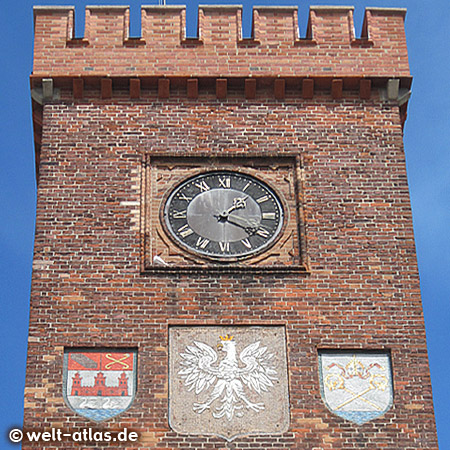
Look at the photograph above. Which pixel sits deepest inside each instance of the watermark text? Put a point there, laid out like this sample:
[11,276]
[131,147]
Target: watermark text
[83,435]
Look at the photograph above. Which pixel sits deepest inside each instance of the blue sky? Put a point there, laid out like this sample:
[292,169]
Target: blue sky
[428,162]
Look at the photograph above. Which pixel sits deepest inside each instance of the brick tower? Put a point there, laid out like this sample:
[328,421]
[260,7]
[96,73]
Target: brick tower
[224,253]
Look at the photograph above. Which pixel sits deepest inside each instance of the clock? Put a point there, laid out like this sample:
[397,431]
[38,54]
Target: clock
[223,215]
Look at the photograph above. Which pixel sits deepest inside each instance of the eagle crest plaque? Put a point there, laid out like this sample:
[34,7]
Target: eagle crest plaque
[228,381]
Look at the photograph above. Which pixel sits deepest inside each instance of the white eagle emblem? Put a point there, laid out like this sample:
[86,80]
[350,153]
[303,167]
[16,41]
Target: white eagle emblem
[227,380]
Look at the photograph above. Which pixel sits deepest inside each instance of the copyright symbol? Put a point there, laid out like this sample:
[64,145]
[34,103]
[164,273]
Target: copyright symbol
[15,435]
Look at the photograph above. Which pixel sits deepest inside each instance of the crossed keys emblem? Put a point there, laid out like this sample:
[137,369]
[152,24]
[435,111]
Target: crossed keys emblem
[114,360]
[355,369]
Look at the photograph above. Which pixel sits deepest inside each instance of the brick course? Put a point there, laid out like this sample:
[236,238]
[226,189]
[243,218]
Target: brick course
[361,289]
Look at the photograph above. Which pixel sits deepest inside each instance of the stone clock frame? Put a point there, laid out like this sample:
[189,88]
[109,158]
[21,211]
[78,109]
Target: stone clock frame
[161,173]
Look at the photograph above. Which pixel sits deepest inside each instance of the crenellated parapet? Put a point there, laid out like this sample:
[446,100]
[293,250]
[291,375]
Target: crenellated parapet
[219,50]
[274,62]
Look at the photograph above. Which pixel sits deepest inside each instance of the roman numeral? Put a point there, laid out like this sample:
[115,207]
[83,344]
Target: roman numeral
[185,198]
[246,242]
[262,199]
[268,215]
[185,230]
[263,232]
[202,186]
[202,242]
[246,186]
[179,214]
[225,182]
[224,246]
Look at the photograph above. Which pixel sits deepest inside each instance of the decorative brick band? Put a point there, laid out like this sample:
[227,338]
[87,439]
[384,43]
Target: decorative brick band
[159,88]
[219,50]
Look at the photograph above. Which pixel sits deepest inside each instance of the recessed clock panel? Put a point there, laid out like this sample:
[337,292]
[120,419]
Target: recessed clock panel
[224,215]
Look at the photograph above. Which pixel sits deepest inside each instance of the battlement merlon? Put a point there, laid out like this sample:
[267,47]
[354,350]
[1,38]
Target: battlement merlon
[275,49]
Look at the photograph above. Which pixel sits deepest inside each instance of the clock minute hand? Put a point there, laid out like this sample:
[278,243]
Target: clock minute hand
[250,225]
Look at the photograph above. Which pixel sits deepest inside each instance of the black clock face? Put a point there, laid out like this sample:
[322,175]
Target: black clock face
[224,215]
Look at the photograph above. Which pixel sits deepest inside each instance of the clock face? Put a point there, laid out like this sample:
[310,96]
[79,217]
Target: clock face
[224,215]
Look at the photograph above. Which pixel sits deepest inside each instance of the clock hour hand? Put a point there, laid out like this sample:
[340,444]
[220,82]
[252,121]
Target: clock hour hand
[238,203]
[250,225]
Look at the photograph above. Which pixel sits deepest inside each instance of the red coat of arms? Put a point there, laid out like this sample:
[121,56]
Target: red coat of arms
[99,384]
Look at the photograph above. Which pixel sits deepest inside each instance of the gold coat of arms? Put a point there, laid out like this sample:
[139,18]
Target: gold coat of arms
[356,386]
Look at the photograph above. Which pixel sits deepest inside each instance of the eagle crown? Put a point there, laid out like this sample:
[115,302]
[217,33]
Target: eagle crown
[226,338]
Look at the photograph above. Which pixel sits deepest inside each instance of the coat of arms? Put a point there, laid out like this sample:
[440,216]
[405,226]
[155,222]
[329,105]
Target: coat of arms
[228,384]
[99,384]
[356,386]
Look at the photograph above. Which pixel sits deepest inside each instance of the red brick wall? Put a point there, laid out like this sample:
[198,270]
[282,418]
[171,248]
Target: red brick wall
[361,290]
